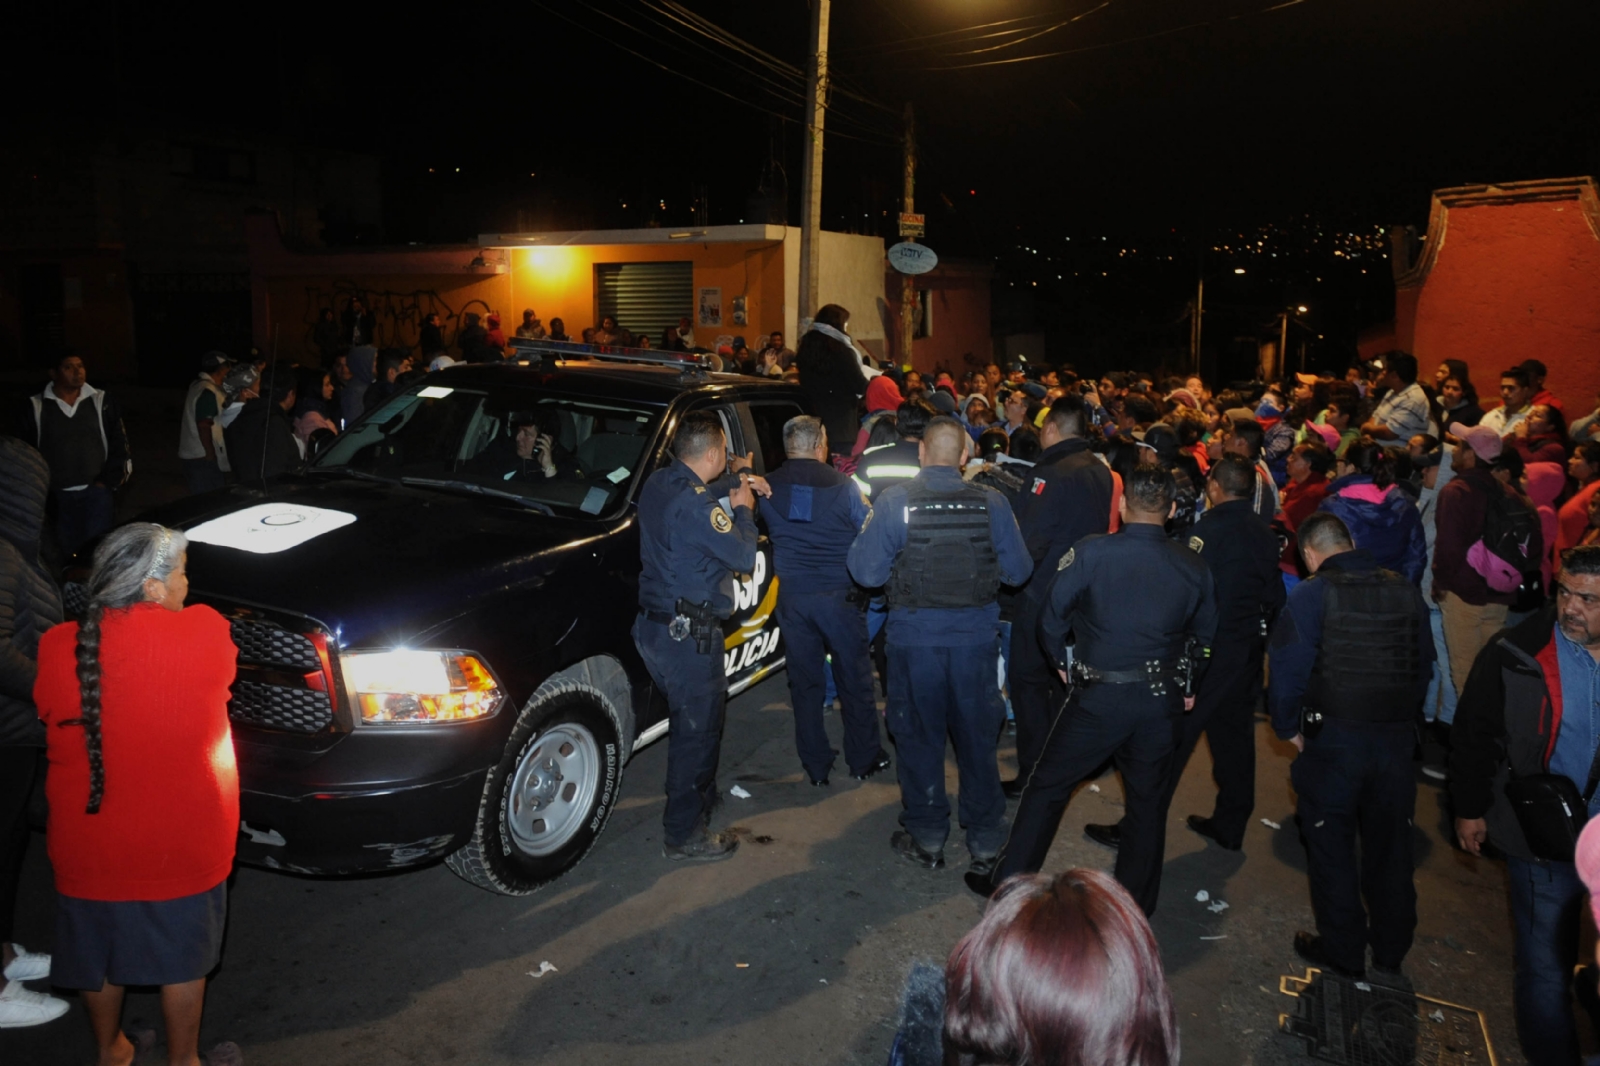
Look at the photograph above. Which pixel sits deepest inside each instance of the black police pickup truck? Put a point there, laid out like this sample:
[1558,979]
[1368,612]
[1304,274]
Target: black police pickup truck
[434,648]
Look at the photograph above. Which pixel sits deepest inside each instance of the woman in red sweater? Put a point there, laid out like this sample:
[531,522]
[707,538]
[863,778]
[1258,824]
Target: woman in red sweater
[143,789]
[1308,467]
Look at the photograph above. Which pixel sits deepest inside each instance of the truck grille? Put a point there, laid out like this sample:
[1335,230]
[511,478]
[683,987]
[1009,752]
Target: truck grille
[273,689]
[277,665]
[298,710]
[270,645]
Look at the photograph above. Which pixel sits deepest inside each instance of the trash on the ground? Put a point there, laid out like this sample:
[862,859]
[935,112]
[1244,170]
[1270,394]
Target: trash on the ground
[822,980]
[1201,896]
[1218,906]
[741,966]
[1094,788]
[739,792]
[544,968]
[1270,824]
[1224,936]
[1436,1016]
[1363,986]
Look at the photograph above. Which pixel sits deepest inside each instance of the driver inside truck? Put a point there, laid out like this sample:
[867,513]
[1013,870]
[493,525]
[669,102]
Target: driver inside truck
[536,451]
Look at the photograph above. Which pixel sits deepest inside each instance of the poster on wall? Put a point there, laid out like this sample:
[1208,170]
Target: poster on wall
[739,316]
[711,306]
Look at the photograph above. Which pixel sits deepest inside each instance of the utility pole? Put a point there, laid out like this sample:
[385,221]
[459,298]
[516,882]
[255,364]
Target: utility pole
[1195,324]
[811,175]
[1281,363]
[908,289]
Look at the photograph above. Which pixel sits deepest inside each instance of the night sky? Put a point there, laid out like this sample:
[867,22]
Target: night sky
[1179,121]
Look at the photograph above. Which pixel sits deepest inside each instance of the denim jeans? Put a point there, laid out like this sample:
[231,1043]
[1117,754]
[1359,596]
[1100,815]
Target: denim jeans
[1440,703]
[1546,906]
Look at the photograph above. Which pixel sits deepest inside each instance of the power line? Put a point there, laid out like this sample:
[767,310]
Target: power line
[1117,43]
[1035,36]
[879,139]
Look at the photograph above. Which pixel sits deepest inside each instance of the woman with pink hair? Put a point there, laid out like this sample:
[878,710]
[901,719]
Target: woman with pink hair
[1061,969]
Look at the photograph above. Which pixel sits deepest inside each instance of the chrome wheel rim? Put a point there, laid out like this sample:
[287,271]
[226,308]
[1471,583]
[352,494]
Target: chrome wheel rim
[552,789]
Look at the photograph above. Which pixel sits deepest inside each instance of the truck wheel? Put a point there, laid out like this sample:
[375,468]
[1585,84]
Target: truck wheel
[546,802]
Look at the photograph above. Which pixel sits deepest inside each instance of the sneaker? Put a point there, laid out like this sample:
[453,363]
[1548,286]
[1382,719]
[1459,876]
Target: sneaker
[708,847]
[905,845]
[20,1008]
[28,965]
[983,865]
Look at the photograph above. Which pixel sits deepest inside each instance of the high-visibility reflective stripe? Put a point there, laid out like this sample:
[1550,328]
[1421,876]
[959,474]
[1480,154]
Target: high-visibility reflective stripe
[894,471]
[862,485]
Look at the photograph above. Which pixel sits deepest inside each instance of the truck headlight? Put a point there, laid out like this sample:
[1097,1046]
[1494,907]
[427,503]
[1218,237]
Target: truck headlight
[420,686]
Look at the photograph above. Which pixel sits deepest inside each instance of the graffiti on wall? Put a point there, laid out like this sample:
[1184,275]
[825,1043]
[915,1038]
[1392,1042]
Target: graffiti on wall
[399,314]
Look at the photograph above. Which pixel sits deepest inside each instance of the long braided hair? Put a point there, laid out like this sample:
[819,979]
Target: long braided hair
[122,563]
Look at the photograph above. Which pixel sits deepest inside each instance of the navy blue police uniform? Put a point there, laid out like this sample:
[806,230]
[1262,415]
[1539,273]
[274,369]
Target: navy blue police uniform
[1353,648]
[1133,600]
[1242,553]
[942,548]
[1065,497]
[691,550]
[887,464]
[812,517]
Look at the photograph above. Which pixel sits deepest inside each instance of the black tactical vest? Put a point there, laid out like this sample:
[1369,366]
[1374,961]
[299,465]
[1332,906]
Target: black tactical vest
[949,559]
[1368,665]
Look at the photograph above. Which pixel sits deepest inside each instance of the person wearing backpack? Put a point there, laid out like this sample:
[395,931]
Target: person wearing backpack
[1488,538]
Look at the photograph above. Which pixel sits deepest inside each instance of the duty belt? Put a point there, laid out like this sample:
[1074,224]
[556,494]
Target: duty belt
[1154,673]
[663,617]
[1152,670]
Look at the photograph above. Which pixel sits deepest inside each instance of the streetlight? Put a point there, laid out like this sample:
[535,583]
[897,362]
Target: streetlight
[1238,270]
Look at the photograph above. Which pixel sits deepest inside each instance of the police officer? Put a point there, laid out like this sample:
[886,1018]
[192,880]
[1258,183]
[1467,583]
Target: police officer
[812,517]
[691,550]
[1134,599]
[1352,656]
[1065,497]
[889,464]
[1242,553]
[942,548]
[880,467]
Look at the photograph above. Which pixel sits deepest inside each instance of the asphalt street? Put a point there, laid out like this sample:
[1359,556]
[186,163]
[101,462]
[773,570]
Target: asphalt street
[793,951]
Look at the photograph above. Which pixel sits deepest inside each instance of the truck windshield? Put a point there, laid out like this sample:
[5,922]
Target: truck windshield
[568,454]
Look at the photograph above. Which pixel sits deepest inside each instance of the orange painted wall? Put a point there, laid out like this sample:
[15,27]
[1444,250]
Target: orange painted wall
[558,282]
[1515,281]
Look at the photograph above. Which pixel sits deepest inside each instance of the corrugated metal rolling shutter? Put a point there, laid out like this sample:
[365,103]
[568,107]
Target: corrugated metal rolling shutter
[645,297]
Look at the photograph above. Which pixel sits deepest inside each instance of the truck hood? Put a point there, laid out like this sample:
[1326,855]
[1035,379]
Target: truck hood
[377,563]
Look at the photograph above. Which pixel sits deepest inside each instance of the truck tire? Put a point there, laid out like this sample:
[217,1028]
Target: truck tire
[546,802]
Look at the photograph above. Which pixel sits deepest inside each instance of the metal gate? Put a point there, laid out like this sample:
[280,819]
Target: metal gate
[645,297]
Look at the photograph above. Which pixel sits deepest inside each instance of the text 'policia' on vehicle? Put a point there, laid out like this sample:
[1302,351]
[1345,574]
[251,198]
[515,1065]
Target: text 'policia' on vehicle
[435,658]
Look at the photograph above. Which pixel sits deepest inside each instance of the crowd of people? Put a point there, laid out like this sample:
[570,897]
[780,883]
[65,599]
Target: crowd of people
[1419,570]
[1110,563]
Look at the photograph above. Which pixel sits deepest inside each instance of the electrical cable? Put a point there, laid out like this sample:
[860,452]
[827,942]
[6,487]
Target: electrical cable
[795,91]
[941,33]
[1114,44]
[1022,40]
[880,141]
